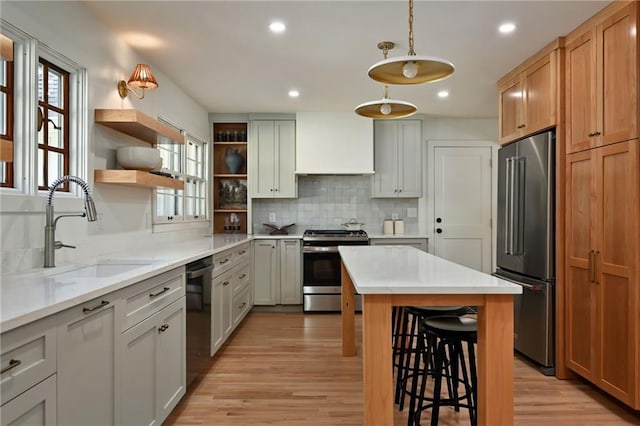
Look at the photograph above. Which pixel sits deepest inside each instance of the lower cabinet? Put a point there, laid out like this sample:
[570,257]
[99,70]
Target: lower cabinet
[35,407]
[87,356]
[153,366]
[277,272]
[419,243]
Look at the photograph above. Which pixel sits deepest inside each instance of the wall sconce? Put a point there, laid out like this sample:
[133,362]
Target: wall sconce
[141,78]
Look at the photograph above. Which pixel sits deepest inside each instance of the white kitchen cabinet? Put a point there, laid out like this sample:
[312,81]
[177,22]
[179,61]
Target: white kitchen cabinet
[277,266]
[419,243]
[35,407]
[88,363]
[265,272]
[154,366]
[397,159]
[272,160]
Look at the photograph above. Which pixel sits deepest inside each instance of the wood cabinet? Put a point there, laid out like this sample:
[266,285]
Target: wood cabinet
[397,159]
[602,263]
[154,366]
[277,272]
[528,96]
[273,159]
[229,185]
[142,127]
[601,66]
[88,363]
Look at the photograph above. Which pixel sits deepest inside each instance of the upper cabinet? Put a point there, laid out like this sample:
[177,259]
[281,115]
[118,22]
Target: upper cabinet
[601,66]
[528,95]
[272,162]
[139,125]
[397,159]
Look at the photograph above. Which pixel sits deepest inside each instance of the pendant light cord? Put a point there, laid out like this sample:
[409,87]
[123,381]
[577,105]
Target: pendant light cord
[411,51]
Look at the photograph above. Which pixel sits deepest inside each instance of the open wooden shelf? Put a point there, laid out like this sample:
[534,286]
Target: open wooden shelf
[6,150]
[136,178]
[139,125]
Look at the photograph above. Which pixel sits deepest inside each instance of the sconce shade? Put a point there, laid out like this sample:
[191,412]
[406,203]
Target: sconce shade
[142,77]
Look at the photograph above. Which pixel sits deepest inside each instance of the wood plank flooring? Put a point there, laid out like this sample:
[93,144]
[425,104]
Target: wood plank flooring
[287,369]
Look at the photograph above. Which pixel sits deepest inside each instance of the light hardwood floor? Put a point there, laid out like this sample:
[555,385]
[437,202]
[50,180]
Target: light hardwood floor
[286,369]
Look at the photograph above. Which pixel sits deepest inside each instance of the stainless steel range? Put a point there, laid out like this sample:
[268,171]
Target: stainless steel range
[321,267]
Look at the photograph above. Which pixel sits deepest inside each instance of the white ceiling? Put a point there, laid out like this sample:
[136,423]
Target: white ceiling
[222,54]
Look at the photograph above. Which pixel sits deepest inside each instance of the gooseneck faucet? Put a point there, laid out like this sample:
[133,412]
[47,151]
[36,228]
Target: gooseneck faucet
[50,243]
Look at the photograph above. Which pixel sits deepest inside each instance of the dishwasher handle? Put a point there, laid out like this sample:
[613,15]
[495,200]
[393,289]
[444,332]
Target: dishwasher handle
[199,272]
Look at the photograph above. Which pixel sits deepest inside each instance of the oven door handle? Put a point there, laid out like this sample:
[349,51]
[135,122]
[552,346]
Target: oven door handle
[317,249]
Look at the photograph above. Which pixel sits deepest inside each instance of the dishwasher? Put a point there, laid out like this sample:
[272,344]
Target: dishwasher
[198,321]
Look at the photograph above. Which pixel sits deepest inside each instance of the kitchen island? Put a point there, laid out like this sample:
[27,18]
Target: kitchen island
[389,276]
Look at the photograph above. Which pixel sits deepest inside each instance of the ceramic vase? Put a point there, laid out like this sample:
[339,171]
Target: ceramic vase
[233,160]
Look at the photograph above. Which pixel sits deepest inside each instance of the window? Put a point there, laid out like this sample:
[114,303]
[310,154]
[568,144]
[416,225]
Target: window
[6,114]
[188,163]
[53,124]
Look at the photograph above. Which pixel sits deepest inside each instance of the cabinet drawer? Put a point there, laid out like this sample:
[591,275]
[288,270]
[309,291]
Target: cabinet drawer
[241,303]
[28,357]
[240,276]
[36,406]
[222,262]
[241,254]
[145,298]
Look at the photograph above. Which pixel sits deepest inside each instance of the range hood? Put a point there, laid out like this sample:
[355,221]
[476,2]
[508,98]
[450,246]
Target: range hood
[333,143]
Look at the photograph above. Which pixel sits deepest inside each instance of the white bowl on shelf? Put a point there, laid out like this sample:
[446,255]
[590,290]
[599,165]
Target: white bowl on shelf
[139,158]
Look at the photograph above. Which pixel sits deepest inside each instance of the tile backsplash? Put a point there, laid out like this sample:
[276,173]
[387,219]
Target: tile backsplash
[330,201]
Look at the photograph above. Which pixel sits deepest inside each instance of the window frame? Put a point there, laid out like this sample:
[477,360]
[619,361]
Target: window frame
[8,90]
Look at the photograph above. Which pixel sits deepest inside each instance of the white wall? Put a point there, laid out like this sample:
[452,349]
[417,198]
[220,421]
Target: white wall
[124,213]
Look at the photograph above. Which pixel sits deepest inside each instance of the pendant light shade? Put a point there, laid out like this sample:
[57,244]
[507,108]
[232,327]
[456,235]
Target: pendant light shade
[412,68]
[386,108]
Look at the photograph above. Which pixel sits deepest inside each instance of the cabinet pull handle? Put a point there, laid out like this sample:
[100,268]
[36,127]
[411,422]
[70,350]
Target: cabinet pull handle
[595,275]
[222,262]
[596,133]
[102,304]
[164,290]
[13,363]
[591,277]
[243,305]
[163,328]
[591,134]
[242,276]
[242,252]
[226,283]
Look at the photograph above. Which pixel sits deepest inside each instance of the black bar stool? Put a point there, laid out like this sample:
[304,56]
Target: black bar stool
[406,342]
[441,342]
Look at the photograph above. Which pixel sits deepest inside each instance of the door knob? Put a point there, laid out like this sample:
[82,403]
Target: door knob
[439,220]
[439,230]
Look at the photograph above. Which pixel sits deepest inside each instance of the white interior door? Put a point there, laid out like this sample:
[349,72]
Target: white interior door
[463,205]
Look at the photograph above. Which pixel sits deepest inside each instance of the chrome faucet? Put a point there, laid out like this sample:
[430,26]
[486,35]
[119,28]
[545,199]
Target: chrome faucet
[50,243]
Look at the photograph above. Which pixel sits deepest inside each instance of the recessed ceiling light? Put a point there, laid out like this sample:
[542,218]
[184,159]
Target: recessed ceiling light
[507,27]
[277,27]
[443,94]
[294,93]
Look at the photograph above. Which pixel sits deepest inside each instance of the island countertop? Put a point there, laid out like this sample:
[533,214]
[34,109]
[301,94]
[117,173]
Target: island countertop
[406,270]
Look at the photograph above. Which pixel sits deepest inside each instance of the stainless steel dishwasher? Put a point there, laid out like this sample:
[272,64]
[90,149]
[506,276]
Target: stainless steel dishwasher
[198,316]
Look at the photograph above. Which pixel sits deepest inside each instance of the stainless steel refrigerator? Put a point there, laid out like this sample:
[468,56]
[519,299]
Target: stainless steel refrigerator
[526,241]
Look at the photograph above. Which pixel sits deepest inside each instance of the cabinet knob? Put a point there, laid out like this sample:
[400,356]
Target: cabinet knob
[439,220]
[439,230]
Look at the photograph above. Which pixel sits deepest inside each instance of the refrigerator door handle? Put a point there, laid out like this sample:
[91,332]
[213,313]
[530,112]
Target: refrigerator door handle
[520,170]
[509,197]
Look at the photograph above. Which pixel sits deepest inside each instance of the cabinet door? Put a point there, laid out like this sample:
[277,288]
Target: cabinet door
[285,135]
[171,356]
[409,159]
[581,296]
[616,257]
[262,160]
[139,369]
[540,94]
[617,48]
[510,114]
[580,103]
[87,364]
[217,301]
[222,289]
[290,260]
[34,407]
[265,276]
[385,178]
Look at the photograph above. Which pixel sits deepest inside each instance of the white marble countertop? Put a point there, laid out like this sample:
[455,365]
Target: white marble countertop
[35,294]
[407,270]
[396,236]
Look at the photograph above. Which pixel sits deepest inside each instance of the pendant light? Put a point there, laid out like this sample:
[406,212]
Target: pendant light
[386,108]
[412,68]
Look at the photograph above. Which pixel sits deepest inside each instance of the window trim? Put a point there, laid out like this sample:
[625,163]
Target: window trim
[7,138]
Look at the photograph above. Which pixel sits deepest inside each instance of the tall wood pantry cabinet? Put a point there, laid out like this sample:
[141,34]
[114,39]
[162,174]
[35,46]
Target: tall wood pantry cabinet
[602,208]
